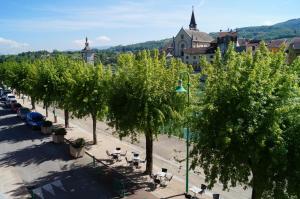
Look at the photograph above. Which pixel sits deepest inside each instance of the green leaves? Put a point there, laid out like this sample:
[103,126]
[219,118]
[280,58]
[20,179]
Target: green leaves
[244,120]
[143,95]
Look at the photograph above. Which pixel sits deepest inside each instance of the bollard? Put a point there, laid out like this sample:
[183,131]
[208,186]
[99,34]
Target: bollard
[94,161]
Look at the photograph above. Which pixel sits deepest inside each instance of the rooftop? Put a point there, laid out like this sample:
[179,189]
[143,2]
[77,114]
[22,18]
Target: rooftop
[199,36]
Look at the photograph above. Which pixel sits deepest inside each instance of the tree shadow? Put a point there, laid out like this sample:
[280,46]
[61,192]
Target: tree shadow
[124,180]
[9,119]
[19,133]
[35,154]
[79,182]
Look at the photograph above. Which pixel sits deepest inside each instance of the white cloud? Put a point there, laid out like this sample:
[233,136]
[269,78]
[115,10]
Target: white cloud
[124,15]
[11,43]
[268,23]
[103,39]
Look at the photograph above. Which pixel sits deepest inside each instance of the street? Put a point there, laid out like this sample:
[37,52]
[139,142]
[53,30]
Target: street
[30,161]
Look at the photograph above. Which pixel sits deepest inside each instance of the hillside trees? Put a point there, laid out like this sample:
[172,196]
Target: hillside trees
[248,124]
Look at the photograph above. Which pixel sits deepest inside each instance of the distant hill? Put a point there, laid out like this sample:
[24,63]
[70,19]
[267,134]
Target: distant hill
[287,29]
[140,46]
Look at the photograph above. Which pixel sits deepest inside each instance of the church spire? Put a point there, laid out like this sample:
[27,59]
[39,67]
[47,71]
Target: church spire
[86,42]
[193,25]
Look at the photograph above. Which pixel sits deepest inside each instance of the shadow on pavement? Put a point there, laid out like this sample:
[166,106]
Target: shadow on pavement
[19,133]
[36,154]
[79,182]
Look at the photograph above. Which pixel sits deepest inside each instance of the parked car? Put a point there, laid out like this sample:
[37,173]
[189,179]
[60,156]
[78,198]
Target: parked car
[4,94]
[35,119]
[22,112]
[15,107]
[10,98]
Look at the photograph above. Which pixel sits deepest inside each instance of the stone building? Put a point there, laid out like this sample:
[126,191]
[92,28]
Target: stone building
[191,43]
[87,53]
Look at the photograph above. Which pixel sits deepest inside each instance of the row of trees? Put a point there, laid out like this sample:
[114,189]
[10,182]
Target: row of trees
[138,98]
[245,121]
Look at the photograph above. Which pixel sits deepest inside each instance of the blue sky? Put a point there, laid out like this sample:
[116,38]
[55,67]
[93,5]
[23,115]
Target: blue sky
[63,24]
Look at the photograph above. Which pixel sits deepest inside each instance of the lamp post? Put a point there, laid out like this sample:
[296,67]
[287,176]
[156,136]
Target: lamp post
[181,89]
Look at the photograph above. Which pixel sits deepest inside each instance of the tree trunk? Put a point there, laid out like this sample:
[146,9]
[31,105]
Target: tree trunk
[94,129]
[32,103]
[256,190]
[46,107]
[66,112]
[149,152]
[54,115]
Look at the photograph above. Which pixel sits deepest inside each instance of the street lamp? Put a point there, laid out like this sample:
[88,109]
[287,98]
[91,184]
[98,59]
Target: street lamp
[181,89]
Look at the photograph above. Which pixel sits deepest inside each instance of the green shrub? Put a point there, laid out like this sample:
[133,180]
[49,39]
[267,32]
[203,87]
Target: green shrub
[60,131]
[47,123]
[78,143]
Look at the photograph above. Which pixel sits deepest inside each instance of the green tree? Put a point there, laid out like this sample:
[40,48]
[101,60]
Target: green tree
[21,75]
[89,92]
[143,98]
[47,80]
[63,85]
[248,123]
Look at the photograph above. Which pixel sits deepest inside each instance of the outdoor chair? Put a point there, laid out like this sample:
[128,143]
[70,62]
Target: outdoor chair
[129,162]
[143,161]
[156,182]
[203,188]
[115,156]
[123,154]
[169,178]
[155,179]
[136,164]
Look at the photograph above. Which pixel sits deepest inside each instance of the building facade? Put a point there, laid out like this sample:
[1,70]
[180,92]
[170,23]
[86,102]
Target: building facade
[189,44]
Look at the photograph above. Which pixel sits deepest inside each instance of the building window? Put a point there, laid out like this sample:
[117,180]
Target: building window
[253,48]
[187,57]
[182,46]
[182,53]
[194,57]
[182,36]
[211,56]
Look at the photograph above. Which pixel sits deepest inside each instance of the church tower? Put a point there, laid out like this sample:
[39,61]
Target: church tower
[87,53]
[193,25]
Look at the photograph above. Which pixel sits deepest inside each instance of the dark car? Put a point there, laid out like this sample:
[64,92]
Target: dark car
[15,107]
[22,112]
[35,120]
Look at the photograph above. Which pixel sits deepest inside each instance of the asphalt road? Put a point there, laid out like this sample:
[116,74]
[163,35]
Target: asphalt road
[41,166]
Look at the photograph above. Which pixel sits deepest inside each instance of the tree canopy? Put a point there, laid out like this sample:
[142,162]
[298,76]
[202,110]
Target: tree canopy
[143,97]
[247,123]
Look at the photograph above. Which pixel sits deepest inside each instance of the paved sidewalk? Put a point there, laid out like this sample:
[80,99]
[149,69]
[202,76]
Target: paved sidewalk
[108,142]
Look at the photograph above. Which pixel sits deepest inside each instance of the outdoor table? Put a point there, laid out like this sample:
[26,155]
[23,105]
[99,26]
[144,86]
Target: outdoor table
[116,151]
[195,190]
[161,174]
[136,159]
